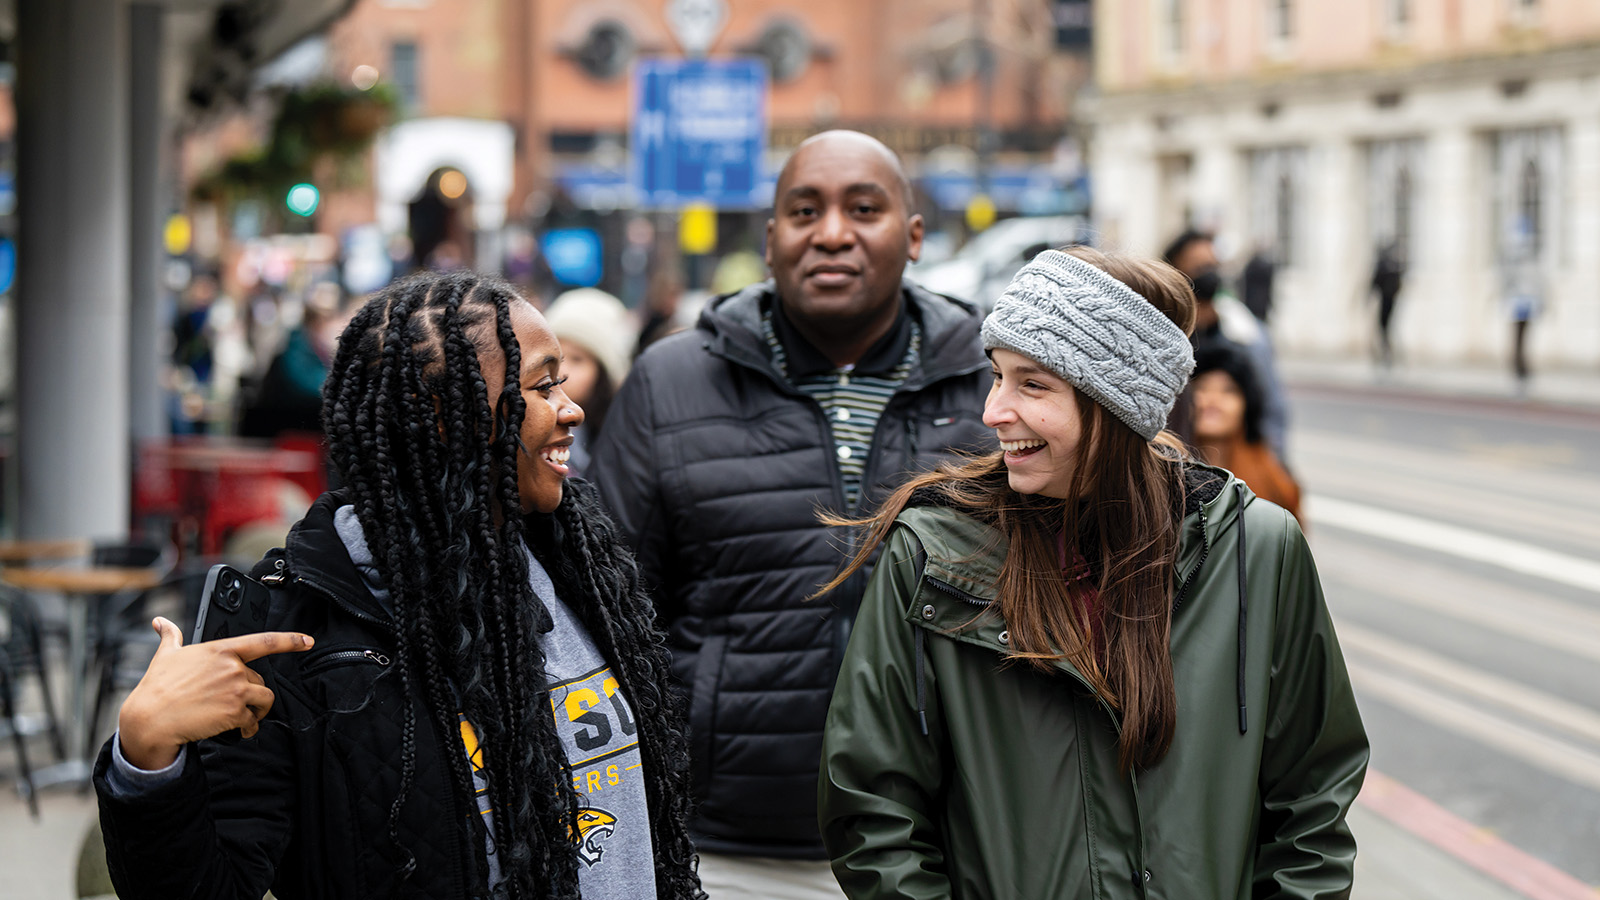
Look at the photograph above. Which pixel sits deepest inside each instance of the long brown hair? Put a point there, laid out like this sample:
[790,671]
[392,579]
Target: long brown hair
[1119,521]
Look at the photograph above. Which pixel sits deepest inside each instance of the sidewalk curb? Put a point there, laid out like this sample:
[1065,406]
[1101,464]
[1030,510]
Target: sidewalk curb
[1477,847]
[1561,393]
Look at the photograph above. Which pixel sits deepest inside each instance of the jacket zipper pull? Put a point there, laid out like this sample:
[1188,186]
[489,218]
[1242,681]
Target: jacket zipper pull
[376,657]
[277,576]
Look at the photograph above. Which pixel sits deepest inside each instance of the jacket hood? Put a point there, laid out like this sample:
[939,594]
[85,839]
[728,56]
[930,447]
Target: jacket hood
[949,330]
[971,553]
[314,553]
[965,554]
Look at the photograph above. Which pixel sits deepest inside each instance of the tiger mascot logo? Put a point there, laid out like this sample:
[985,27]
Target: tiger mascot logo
[594,826]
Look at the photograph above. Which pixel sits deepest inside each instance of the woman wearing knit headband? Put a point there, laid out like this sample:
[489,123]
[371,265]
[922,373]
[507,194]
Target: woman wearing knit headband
[1089,666]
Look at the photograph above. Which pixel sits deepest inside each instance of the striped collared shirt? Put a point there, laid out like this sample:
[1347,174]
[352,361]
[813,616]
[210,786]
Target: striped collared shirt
[852,402]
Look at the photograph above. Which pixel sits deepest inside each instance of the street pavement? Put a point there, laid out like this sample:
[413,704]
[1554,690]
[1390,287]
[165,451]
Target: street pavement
[1456,524]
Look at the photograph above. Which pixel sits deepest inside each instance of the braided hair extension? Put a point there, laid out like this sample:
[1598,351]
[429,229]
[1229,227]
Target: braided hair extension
[586,559]
[428,458]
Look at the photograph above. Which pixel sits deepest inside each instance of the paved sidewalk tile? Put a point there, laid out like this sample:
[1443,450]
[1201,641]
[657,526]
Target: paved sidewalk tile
[40,859]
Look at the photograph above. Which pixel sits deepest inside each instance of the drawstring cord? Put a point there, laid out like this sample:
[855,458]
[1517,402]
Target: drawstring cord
[1244,722]
[921,640]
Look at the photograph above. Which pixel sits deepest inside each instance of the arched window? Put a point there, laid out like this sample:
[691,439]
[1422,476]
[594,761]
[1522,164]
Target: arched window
[1284,213]
[1402,211]
[1530,207]
[1280,20]
[1172,22]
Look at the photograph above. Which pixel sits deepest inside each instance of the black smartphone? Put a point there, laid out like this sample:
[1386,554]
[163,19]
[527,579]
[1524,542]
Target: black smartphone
[232,604]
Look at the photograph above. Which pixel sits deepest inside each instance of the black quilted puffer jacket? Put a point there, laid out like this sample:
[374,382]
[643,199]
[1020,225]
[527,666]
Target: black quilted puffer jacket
[303,808]
[715,468]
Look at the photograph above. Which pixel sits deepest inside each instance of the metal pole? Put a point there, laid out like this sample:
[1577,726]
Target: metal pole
[146,129]
[72,272]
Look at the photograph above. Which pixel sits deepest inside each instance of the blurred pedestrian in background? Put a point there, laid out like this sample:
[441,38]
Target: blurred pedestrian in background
[288,399]
[597,335]
[1087,666]
[1524,297]
[193,355]
[485,660]
[1388,274]
[1256,281]
[1218,318]
[1227,425]
[660,309]
[820,389]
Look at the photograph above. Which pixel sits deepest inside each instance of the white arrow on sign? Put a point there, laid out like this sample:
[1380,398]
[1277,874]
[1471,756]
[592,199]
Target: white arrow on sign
[696,23]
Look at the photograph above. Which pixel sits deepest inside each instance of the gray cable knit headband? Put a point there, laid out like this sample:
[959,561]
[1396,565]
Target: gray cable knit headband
[1099,335]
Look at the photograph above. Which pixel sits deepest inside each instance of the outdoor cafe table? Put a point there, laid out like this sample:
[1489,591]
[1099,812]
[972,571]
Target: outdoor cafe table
[28,551]
[80,587]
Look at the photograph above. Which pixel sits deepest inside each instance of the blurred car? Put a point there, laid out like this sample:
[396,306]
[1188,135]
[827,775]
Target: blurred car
[980,270]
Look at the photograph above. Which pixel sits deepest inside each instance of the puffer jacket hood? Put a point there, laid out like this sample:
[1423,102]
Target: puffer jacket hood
[949,326]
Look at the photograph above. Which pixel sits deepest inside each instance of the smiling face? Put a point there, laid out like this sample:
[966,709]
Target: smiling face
[841,235]
[551,415]
[1034,412]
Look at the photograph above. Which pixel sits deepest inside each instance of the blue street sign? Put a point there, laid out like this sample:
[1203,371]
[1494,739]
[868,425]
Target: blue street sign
[573,255]
[699,132]
[8,264]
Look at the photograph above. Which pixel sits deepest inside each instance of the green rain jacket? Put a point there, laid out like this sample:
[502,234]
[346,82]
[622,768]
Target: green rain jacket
[1011,789]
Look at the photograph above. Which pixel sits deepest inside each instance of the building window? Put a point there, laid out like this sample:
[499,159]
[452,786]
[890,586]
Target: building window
[1277,201]
[1397,18]
[1526,172]
[786,47]
[1530,218]
[1280,21]
[606,50]
[1392,194]
[404,73]
[1172,28]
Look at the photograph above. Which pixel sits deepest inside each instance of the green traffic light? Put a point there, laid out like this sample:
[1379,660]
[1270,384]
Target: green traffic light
[302,199]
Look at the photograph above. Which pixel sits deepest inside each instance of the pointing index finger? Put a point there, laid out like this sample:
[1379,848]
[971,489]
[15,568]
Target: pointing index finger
[251,647]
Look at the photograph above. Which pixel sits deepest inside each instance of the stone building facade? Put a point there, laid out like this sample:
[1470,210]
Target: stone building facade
[1464,132]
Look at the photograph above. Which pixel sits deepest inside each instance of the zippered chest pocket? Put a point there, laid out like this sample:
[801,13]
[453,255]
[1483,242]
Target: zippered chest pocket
[344,676]
[333,658]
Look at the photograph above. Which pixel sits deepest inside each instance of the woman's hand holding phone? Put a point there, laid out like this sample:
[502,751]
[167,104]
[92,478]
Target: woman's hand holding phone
[194,692]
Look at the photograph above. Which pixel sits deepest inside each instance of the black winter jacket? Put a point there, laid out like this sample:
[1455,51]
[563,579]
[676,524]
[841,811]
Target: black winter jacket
[303,807]
[715,468]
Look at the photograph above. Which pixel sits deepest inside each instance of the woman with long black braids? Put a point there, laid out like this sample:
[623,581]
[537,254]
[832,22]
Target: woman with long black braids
[461,693]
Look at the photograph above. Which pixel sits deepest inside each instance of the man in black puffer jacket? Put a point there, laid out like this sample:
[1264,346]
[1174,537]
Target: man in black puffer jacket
[816,392]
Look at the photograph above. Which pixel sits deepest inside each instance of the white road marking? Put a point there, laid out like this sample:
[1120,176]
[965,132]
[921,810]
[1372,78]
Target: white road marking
[1511,612]
[1573,718]
[1533,747]
[1462,542]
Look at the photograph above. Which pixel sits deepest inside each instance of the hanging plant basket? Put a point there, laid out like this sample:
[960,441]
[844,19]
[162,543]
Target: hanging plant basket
[316,122]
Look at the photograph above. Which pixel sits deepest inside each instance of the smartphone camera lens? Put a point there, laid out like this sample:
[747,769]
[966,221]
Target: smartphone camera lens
[232,594]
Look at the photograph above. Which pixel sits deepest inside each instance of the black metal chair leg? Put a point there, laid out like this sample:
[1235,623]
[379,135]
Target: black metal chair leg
[58,741]
[20,742]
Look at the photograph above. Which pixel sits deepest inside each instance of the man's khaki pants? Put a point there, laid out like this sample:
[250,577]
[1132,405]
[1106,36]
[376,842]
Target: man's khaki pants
[763,878]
